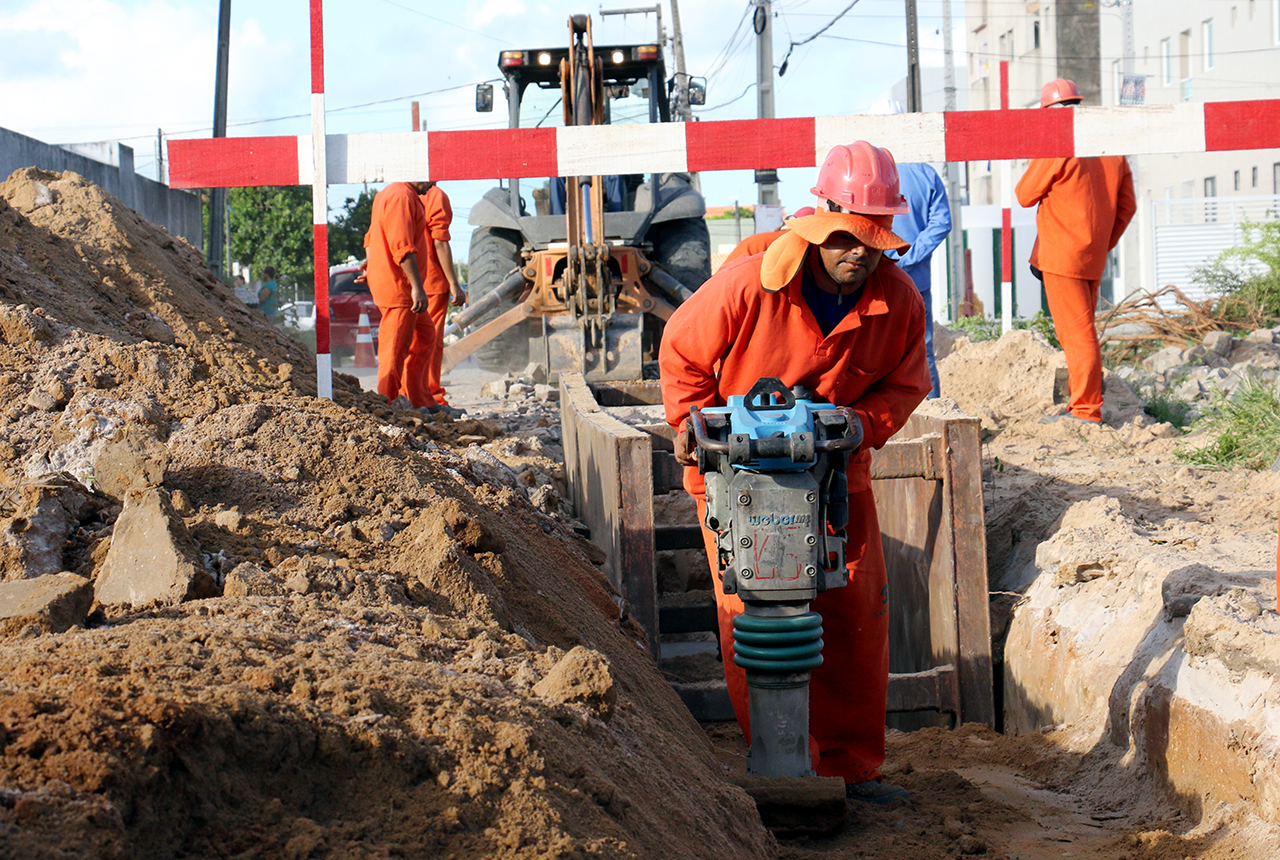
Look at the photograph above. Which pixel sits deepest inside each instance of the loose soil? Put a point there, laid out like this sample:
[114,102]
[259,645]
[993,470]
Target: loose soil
[413,654]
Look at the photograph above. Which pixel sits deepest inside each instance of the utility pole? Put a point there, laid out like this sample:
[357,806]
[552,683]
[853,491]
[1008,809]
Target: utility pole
[762,23]
[160,156]
[913,59]
[682,79]
[1126,25]
[955,239]
[218,197]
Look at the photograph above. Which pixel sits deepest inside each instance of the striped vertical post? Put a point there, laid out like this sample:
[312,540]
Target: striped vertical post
[320,204]
[1006,218]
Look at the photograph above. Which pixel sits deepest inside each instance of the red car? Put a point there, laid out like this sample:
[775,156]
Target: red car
[347,300]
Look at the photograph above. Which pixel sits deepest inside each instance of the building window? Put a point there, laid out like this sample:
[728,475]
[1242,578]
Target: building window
[1237,180]
[1211,186]
[1166,61]
[1275,178]
[1255,178]
[1035,34]
[1117,73]
[1206,34]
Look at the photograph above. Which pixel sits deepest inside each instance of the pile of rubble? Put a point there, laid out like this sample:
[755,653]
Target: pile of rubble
[240,620]
[1216,366]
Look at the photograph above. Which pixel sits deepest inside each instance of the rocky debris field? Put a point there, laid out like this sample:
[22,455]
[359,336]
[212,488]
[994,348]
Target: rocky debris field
[240,621]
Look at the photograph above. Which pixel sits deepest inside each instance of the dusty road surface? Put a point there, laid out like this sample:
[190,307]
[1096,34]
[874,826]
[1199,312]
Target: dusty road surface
[239,621]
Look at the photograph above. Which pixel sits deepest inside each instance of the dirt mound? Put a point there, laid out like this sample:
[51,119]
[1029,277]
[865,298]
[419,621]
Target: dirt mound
[408,658]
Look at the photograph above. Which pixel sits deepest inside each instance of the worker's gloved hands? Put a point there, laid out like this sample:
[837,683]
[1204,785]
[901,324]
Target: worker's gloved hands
[686,449]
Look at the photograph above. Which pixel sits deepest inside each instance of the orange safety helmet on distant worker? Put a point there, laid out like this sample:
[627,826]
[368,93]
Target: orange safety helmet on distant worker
[1059,91]
[861,178]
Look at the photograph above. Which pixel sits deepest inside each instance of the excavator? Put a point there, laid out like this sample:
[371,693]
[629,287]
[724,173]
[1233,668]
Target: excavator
[585,282]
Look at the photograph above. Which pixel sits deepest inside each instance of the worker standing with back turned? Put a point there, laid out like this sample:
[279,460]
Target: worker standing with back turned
[440,281]
[1085,205]
[395,244]
[820,308]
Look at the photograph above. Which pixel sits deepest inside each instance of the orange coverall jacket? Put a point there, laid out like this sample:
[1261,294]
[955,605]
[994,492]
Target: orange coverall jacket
[732,332]
[397,228]
[439,215]
[1085,205]
[720,342]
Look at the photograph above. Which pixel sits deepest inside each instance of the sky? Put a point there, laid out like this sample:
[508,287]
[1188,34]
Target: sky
[81,71]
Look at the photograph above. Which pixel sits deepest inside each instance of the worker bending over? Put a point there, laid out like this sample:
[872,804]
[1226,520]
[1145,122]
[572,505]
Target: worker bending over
[395,243]
[1085,204]
[440,282]
[820,308]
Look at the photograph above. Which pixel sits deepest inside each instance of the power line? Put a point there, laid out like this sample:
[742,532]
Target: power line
[443,21]
[782,69]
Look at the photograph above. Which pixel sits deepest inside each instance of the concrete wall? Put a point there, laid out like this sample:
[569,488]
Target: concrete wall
[177,211]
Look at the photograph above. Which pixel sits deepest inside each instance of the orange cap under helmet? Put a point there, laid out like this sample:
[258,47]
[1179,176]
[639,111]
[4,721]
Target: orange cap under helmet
[862,179]
[1057,91]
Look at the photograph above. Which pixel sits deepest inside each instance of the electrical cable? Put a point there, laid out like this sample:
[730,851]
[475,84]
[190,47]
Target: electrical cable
[782,69]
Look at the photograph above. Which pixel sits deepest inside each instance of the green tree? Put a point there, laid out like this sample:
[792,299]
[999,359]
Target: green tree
[347,228]
[272,227]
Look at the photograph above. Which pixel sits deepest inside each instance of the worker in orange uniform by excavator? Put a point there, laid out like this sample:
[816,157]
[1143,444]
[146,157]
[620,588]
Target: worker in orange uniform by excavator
[820,308]
[440,282]
[757,242]
[396,248]
[1085,205]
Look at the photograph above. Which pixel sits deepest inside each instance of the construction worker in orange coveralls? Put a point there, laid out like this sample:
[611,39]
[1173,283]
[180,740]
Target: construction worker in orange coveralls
[820,308]
[395,245]
[441,283]
[1085,205]
[758,242]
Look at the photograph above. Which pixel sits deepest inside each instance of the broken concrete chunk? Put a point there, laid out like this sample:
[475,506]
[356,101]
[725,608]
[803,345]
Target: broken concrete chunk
[42,400]
[152,557]
[51,604]
[18,325]
[132,460]
[581,676]
[1219,342]
[1184,587]
[35,522]
[536,372]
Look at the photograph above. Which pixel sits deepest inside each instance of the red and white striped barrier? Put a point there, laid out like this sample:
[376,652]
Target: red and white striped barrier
[729,145]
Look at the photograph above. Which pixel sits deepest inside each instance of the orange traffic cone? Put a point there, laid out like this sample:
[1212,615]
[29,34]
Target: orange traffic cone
[365,356]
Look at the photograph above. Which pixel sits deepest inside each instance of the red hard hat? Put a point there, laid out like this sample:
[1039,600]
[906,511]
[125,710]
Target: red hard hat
[1057,91]
[861,178]
[803,211]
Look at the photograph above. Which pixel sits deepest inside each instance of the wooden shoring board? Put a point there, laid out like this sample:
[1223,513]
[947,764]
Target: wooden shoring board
[609,467]
[934,541]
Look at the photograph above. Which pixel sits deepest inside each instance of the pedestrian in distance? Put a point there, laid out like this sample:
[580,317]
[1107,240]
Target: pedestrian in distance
[822,308]
[1084,206]
[925,225]
[268,298]
[440,282]
[394,245]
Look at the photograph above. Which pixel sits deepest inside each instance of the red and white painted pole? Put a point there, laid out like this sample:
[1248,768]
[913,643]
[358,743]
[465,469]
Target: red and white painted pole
[320,204]
[1006,218]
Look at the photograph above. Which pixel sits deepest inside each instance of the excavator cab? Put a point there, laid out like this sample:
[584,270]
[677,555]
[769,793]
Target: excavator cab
[602,260]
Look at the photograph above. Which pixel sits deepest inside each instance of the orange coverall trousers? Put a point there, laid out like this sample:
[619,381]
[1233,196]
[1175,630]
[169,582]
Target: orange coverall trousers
[437,308]
[1072,302]
[847,692]
[406,345]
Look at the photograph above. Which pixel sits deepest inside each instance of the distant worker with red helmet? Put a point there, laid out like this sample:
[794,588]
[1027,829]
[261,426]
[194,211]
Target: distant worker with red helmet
[396,246]
[440,282]
[758,242]
[821,308]
[1085,205]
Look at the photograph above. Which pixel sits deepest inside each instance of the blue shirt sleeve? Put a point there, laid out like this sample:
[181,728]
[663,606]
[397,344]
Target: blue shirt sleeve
[930,212]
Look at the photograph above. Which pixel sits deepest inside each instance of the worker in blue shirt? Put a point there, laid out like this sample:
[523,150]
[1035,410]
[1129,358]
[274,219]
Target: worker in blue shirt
[925,226]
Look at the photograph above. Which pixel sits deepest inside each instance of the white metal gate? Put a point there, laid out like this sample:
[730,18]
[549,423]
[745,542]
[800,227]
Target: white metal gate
[1192,231]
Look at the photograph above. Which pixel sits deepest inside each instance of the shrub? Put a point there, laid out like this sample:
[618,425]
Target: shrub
[1247,427]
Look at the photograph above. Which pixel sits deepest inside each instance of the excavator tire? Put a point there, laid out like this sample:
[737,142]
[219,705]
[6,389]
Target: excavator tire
[494,253]
[683,248]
